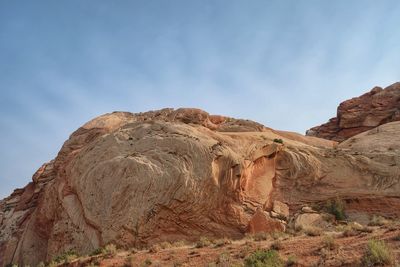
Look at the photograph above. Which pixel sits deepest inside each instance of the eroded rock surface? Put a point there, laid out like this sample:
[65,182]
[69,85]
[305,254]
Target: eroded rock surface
[138,179]
[359,114]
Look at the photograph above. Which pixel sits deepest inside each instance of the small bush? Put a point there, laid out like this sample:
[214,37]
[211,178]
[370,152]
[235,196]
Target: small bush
[97,251]
[66,257]
[312,231]
[110,250]
[203,242]
[261,236]
[378,221]
[147,262]
[280,141]
[154,248]
[264,258]
[224,259]
[180,243]
[377,253]
[396,238]
[165,245]
[350,232]
[222,242]
[276,245]
[336,207]
[329,242]
[129,262]
[291,261]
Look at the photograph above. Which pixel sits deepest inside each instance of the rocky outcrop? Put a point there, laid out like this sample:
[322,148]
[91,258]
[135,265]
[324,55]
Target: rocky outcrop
[138,179]
[359,114]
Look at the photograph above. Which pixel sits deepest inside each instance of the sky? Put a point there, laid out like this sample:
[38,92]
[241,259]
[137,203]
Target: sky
[286,64]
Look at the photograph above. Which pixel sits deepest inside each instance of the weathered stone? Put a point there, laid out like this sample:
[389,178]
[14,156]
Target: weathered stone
[262,222]
[281,209]
[307,209]
[359,114]
[309,220]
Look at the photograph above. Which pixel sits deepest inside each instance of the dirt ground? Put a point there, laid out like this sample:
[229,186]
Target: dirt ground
[301,249]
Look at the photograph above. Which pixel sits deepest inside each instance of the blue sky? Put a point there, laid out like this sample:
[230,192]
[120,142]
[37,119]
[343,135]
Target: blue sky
[286,64]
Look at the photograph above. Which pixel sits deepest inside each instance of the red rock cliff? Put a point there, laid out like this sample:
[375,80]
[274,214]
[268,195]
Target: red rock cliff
[361,113]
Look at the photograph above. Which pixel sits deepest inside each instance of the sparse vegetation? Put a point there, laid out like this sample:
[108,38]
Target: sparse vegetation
[329,242]
[312,231]
[377,253]
[291,261]
[396,238]
[378,221]
[154,248]
[264,258]
[147,262]
[97,251]
[336,207]
[276,245]
[222,242]
[224,259]
[177,244]
[203,242]
[280,141]
[165,245]
[110,250]
[261,236]
[66,257]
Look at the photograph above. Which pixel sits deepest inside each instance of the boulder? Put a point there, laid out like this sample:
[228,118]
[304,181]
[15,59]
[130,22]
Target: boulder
[262,222]
[280,209]
[309,220]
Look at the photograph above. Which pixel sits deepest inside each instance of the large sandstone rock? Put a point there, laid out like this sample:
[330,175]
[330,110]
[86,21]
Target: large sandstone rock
[362,113]
[137,179]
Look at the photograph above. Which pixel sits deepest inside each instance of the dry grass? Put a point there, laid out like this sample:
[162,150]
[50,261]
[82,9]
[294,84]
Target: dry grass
[312,231]
[329,242]
[377,253]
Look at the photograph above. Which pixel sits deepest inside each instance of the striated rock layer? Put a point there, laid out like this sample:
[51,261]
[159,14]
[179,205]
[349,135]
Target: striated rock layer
[138,179]
[359,114]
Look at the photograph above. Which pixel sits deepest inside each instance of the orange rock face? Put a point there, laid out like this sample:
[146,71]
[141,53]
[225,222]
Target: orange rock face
[168,175]
[362,113]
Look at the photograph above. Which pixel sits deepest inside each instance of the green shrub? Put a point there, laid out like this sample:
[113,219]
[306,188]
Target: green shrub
[66,257]
[264,258]
[377,253]
[280,141]
[336,207]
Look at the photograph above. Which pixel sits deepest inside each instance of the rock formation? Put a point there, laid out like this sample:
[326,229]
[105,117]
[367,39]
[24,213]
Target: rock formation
[360,114]
[137,179]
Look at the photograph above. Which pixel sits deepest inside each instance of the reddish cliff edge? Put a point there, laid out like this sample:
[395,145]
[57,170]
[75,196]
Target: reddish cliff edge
[359,114]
